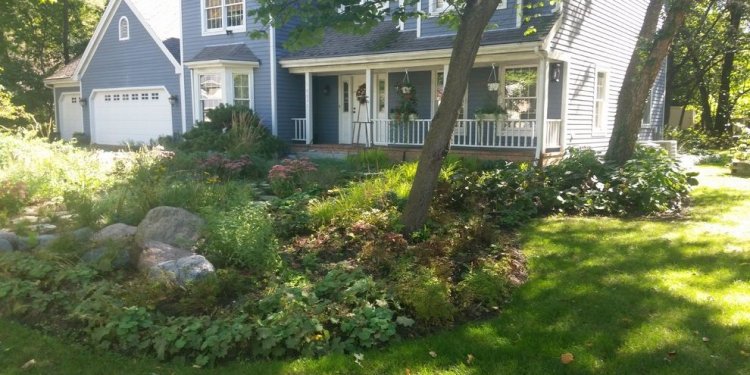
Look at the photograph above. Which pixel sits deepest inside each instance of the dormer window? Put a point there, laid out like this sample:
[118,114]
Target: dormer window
[124,28]
[223,16]
[438,6]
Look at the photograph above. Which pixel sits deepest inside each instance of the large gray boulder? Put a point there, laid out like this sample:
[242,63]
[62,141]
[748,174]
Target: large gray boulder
[45,240]
[83,234]
[11,237]
[192,268]
[119,232]
[170,225]
[5,246]
[155,253]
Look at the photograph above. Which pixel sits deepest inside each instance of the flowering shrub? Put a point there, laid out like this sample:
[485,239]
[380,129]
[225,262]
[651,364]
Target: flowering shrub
[224,167]
[287,177]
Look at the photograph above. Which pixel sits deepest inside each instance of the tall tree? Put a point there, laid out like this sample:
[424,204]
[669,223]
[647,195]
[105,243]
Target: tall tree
[652,47]
[724,106]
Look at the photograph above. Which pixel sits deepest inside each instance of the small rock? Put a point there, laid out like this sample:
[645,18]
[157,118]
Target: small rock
[83,234]
[45,240]
[44,228]
[155,253]
[115,233]
[192,268]
[170,225]
[107,257]
[5,246]
[25,220]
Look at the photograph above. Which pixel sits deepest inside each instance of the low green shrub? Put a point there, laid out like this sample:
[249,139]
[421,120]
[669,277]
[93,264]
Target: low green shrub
[243,237]
[487,285]
[696,141]
[427,295]
[290,176]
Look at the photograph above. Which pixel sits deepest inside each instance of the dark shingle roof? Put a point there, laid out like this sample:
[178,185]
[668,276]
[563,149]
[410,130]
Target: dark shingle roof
[66,71]
[173,46]
[385,38]
[231,52]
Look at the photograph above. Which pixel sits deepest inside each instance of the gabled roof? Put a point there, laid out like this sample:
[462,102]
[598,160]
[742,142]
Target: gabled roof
[164,14]
[386,38]
[228,52]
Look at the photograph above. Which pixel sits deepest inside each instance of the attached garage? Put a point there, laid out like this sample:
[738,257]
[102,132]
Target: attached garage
[130,116]
[71,115]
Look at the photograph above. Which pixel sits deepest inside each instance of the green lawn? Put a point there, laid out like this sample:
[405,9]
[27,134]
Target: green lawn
[623,296]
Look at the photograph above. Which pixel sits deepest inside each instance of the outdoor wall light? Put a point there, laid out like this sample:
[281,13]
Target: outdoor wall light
[230,32]
[173,99]
[555,72]
[83,102]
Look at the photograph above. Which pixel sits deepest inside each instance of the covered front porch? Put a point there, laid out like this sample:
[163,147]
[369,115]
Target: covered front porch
[514,105]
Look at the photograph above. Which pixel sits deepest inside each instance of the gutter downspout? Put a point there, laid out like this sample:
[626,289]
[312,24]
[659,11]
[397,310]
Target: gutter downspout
[272,53]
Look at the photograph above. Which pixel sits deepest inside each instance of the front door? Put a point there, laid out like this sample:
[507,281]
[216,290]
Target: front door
[350,109]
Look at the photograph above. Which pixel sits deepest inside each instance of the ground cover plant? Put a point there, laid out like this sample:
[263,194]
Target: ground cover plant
[324,266]
[621,295]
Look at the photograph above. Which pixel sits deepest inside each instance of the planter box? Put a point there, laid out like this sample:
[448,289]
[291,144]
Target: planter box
[741,168]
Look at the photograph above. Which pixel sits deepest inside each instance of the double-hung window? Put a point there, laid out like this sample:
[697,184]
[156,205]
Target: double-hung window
[211,92]
[600,101]
[223,15]
[241,89]
[229,85]
[520,93]
[646,121]
[438,6]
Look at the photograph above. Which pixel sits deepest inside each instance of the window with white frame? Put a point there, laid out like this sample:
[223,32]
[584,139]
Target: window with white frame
[503,4]
[520,93]
[211,96]
[439,85]
[223,15]
[438,6]
[124,28]
[241,89]
[646,121]
[600,101]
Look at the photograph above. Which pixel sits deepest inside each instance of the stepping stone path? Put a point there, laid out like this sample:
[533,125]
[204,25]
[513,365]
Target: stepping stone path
[161,246]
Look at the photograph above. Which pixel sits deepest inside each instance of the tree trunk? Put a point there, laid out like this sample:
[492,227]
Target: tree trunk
[724,105]
[707,121]
[645,64]
[65,31]
[474,20]
[669,94]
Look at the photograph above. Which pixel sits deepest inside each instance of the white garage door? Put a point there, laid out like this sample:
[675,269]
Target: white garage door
[131,116]
[71,116]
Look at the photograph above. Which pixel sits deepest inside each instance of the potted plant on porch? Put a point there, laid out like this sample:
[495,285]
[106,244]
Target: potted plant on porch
[406,110]
[491,112]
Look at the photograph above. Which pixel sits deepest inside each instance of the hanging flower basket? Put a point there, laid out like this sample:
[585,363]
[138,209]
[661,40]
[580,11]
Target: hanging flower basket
[492,83]
[493,86]
[362,94]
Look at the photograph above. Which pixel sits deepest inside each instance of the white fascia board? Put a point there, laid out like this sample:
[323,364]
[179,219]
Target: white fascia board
[222,64]
[64,82]
[405,59]
[101,28]
[552,33]
[397,58]
[152,33]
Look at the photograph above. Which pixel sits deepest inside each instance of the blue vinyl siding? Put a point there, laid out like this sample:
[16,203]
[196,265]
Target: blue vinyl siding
[326,110]
[596,35]
[479,95]
[422,83]
[502,19]
[56,92]
[290,88]
[137,62]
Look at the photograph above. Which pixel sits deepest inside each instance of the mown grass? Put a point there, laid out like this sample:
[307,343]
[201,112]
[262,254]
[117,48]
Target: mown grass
[623,296]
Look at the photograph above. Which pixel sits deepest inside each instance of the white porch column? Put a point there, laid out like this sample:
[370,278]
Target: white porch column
[370,115]
[541,104]
[445,74]
[308,108]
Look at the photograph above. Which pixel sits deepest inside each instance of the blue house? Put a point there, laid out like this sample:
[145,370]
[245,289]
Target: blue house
[155,68]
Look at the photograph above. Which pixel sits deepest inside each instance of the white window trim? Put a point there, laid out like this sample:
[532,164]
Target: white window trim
[519,13]
[127,29]
[503,4]
[596,129]
[224,29]
[227,89]
[433,11]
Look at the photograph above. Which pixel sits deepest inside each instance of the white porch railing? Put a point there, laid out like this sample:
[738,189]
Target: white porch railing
[553,134]
[468,133]
[300,129]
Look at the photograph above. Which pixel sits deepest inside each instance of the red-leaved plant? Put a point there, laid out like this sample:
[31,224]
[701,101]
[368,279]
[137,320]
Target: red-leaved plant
[289,176]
